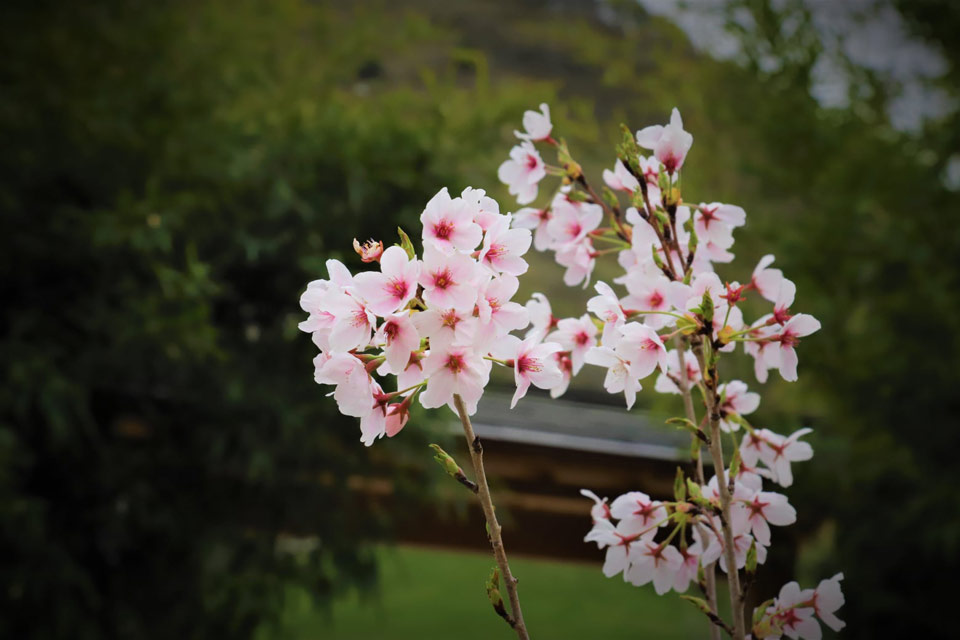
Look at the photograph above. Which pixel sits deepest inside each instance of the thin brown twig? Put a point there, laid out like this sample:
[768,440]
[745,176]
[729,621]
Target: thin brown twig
[493,526]
[716,453]
[710,574]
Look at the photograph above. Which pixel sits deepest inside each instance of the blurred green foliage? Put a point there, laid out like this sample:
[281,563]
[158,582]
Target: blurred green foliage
[173,175]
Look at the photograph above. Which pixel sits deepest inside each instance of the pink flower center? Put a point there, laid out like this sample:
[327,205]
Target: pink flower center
[573,229]
[443,230]
[670,162]
[781,315]
[397,288]
[526,364]
[450,319]
[359,317]
[645,511]
[581,338]
[532,162]
[390,331]
[788,339]
[756,507]
[442,279]
[496,251]
[649,344]
[655,300]
[455,362]
[790,618]
[708,215]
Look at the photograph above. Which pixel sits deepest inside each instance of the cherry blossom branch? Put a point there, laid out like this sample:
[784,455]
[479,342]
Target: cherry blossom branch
[710,575]
[493,526]
[716,453]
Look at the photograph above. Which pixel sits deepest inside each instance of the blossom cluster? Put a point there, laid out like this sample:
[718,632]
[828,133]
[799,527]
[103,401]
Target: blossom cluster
[794,612]
[670,292]
[432,325]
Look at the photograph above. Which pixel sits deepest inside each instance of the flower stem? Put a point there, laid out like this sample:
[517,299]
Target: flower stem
[716,453]
[493,527]
[710,573]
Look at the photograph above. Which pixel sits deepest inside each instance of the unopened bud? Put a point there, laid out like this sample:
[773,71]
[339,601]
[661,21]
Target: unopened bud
[679,486]
[406,244]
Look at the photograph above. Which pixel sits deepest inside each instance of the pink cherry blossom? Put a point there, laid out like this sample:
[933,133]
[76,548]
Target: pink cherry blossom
[578,258]
[399,338]
[793,613]
[620,179]
[537,219]
[618,376]
[766,280]
[572,221]
[600,509]
[575,335]
[565,364]
[776,451]
[449,281]
[445,326]
[497,315]
[619,541]
[687,572]
[643,347]
[503,246]
[638,506]
[486,210]
[523,172]
[448,224]
[542,320]
[393,287]
[736,400]
[669,143]
[786,292]
[653,293]
[315,300]
[654,562]
[536,124]
[354,322]
[532,362]
[665,384]
[797,327]
[606,306]
[827,598]
[354,387]
[767,507]
[386,419]
[765,352]
[454,370]
[716,221]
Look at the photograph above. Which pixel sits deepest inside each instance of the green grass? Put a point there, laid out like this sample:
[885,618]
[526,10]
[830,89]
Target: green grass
[430,594]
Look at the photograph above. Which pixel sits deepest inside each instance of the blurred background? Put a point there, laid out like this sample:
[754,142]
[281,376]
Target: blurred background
[173,174]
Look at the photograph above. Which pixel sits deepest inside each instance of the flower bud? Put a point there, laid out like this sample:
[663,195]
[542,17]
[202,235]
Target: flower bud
[406,244]
[446,461]
[369,251]
[679,486]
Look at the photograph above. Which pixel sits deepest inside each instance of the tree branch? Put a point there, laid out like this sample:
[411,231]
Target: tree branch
[716,453]
[710,573]
[493,527]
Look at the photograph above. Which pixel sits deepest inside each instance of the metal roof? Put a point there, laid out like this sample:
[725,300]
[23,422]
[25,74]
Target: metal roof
[541,420]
